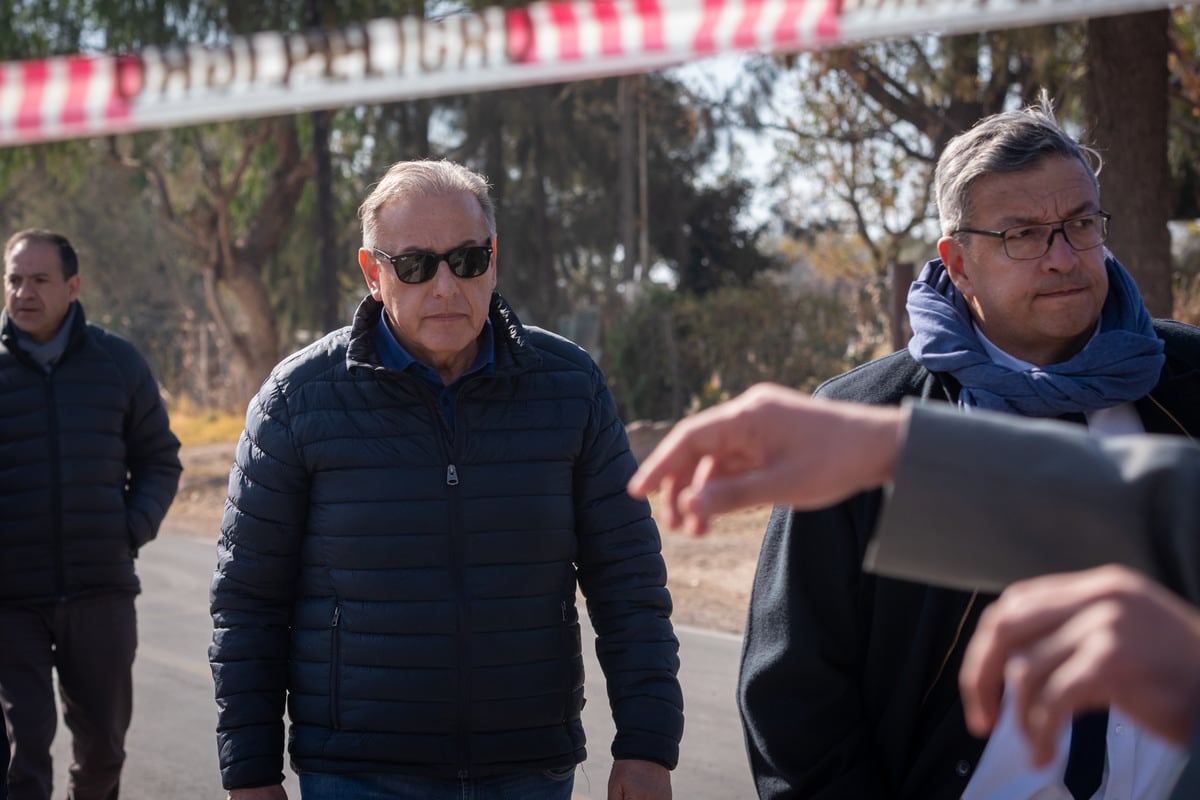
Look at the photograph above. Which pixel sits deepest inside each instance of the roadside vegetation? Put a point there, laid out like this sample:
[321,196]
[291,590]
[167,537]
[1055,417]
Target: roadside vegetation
[693,239]
[197,426]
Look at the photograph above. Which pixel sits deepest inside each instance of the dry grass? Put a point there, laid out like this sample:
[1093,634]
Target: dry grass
[195,426]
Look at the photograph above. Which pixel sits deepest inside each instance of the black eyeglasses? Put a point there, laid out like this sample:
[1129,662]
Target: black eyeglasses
[1027,242]
[469,261]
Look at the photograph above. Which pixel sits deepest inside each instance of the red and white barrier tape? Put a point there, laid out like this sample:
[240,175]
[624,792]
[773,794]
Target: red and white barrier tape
[396,59]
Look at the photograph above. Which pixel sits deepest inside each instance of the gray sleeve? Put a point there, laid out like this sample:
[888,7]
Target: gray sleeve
[980,500]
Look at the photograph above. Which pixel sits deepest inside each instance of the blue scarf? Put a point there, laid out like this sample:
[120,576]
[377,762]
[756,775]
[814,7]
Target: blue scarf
[1120,364]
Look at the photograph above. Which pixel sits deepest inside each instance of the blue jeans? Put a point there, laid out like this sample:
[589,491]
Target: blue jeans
[547,785]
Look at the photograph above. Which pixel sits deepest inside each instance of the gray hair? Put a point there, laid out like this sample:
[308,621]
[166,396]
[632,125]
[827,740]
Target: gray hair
[1011,141]
[406,180]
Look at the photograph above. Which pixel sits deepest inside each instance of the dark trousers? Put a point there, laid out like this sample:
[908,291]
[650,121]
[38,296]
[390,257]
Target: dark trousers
[90,642]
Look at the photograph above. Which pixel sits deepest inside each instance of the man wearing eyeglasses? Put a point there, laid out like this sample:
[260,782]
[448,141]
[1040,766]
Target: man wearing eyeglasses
[414,501]
[848,680]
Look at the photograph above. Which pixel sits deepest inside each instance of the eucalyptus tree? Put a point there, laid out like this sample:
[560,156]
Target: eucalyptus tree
[228,193]
[858,132]
[235,197]
[1126,114]
[555,157]
[862,128]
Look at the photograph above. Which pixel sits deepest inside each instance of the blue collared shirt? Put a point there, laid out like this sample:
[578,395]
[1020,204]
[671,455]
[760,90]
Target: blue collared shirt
[393,356]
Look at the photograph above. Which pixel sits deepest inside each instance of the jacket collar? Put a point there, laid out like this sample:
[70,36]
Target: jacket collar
[514,353]
[1173,405]
[75,340]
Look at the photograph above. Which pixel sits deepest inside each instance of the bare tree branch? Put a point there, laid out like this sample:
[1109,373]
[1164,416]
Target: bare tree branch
[161,190]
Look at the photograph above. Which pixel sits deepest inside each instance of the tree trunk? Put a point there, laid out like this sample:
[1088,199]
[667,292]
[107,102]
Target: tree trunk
[902,278]
[235,291]
[1127,110]
[329,312]
[643,187]
[259,340]
[328,308]
[546,275]
[626,111]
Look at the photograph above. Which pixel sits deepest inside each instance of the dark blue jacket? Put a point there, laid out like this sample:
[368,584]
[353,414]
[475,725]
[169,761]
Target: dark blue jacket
[410,590]
[88,466]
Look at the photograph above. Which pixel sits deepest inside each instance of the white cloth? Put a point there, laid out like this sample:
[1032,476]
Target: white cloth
[1139,765]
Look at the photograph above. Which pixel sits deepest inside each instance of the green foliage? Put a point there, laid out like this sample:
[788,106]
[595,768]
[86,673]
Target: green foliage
[136,277]
[710,247]
[866,125]
[674,353]
[551,152]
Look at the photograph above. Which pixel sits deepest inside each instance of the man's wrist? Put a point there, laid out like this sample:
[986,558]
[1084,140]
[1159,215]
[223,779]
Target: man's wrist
[648,760]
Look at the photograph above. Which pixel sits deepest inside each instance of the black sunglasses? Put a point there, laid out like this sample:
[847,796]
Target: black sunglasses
[469,261]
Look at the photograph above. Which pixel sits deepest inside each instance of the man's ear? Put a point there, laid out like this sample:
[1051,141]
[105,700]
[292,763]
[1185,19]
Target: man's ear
[952,253]
[73,287]
[369,265]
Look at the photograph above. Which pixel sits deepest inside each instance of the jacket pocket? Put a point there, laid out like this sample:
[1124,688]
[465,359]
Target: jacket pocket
[572,661]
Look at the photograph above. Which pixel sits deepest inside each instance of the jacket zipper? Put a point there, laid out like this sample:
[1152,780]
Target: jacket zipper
[568,645]
[56,514]
[335,652]
[458,556]
[452,444]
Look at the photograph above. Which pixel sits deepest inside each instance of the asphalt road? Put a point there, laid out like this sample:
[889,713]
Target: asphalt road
[171,745]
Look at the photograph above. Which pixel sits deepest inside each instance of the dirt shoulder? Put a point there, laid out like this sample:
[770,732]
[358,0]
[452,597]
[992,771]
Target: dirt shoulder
[709,577]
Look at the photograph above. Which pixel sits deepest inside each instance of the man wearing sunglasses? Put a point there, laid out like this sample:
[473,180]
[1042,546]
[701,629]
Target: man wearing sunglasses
[414,502]
[1024,312]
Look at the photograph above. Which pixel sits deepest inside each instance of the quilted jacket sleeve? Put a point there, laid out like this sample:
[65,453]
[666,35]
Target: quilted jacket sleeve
[623,577]
[151,454]
[251,595]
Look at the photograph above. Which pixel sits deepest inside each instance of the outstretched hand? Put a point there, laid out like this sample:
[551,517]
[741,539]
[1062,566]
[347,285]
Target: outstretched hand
[1077,641]
[769,445]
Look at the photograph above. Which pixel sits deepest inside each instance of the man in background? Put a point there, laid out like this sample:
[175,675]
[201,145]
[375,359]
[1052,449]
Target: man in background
[88,469]
[847,683]
[1064,643]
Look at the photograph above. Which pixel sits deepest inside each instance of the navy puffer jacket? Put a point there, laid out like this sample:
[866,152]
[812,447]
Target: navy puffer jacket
[88,466]
[411,592]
